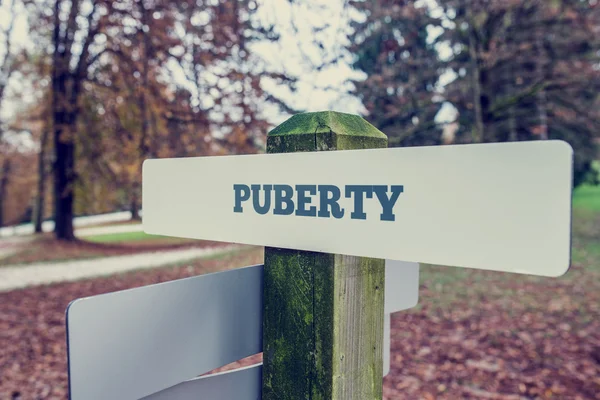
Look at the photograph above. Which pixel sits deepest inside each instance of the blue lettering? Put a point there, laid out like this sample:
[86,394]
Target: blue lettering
[303,200]
[242,193]
[359,192]
[330,202]
[387,203]
[256,201]
[283,195]
[329,199]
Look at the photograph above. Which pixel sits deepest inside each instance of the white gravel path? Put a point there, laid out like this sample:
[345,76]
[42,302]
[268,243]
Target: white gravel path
[48,226]
[20,276]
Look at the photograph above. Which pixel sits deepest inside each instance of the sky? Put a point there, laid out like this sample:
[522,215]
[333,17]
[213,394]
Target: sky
[295,53]
[20,40]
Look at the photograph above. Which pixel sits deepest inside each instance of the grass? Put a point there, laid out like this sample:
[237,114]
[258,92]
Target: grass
[587,197]
[124,237]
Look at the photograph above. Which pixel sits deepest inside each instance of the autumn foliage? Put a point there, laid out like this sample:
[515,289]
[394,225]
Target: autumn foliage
[111,83]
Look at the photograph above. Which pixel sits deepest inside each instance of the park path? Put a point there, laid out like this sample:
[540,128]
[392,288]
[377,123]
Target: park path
[48,226]
[20,276]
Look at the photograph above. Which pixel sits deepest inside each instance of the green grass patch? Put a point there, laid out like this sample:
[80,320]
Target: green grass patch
[123,237]
[587,197]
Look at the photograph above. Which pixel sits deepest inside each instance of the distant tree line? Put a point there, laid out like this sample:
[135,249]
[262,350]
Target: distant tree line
[511,69]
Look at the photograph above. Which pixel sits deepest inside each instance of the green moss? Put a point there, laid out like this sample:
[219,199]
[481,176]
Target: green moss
[326,122]
[288,338]
[364,142]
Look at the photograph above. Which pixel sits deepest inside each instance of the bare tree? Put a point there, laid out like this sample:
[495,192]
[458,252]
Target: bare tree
[74,32]
[8,65]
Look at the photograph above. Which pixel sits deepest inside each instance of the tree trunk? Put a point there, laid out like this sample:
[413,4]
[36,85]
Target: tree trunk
[64,174]
[3,187]
[41,187]
[143,149]
[512,125]
[543,114]
[541,95]
[135,203]
[63,188]
[475,82]
[64,112]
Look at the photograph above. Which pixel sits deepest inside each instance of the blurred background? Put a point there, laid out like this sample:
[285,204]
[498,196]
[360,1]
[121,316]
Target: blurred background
[91,88]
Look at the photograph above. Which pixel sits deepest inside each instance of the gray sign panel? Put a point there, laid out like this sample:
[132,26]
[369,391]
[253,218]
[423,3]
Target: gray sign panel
[129,344]
[401,285]
[240,384]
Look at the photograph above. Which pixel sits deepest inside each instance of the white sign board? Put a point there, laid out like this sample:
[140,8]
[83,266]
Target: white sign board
[133,343]
[502,206]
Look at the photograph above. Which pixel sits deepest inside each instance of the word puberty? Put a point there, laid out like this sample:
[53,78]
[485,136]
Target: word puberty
[280,199]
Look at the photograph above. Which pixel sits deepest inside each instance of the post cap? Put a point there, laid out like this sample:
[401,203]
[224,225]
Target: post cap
[327,122]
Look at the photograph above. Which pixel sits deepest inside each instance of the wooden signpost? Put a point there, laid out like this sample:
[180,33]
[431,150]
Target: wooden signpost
[329,218]
[323,316]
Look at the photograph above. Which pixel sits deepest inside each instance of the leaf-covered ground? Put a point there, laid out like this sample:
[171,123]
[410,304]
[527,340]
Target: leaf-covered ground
[474,335]
[33,363]
[486,335]
[47,249]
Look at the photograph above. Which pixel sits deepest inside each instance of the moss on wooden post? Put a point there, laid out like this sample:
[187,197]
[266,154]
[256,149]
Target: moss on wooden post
[323,316]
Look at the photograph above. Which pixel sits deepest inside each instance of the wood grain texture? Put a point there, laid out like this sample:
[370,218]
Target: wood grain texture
[323,313]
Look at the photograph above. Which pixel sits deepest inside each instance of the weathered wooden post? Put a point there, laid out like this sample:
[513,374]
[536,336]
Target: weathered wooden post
[323,313]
